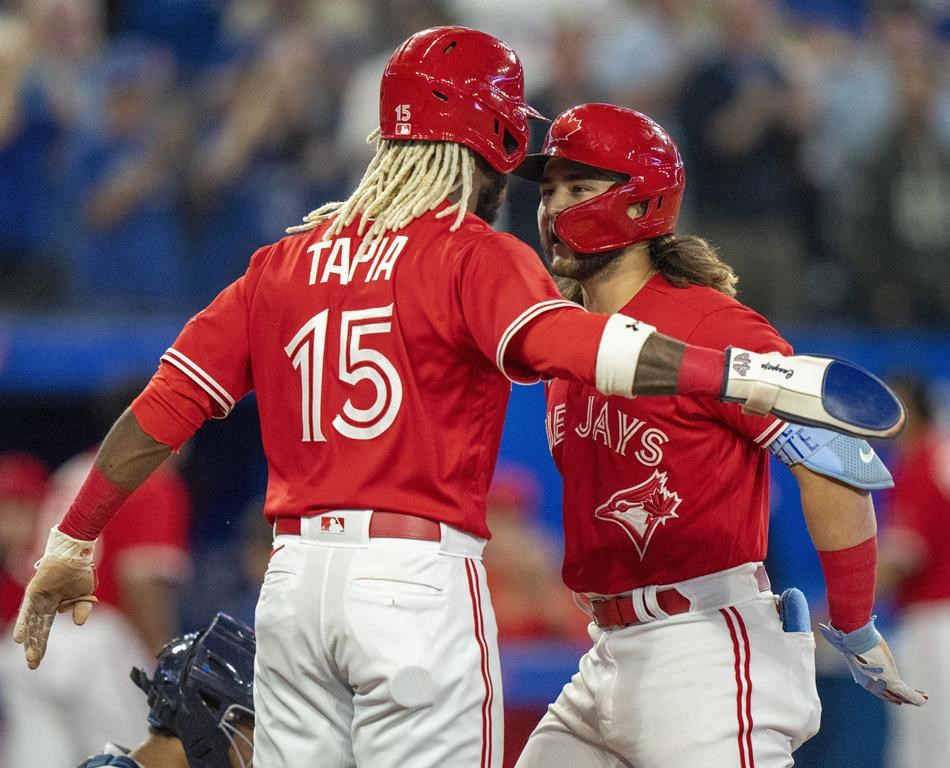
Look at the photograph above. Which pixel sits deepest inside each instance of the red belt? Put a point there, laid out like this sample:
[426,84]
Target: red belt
[620,611]
[382,525]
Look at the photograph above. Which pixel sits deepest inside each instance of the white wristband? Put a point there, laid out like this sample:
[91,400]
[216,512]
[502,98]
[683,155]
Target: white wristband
[619,353]
[62,547]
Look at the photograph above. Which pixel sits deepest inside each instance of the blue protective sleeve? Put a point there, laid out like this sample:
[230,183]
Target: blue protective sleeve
[848,459]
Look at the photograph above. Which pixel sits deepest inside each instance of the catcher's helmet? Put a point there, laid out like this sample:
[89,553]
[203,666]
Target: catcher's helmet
[201,682]
[626,142]
[461,85]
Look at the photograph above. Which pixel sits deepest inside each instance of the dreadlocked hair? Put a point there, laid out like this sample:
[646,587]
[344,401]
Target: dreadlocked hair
[690,260]
[403,181]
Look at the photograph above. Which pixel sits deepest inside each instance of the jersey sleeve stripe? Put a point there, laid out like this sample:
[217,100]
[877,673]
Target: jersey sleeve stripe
[770,432]
[520,322]
[200,377]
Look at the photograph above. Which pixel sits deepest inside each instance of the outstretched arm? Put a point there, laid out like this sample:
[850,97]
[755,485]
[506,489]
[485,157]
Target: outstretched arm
[65,578]
[631,358]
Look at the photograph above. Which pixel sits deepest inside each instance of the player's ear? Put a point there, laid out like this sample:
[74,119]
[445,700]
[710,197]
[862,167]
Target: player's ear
[637,210]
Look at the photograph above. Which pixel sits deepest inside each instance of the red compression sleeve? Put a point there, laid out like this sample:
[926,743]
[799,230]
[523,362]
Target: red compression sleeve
[93,507]
[849,582]
[701,371]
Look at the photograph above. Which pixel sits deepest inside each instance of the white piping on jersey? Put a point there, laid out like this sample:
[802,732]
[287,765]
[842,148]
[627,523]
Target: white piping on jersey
[771,432]
[518,323]
[198,375]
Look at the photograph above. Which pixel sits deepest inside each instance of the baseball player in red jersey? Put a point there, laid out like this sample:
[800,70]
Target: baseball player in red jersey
[382,338]
[666,499]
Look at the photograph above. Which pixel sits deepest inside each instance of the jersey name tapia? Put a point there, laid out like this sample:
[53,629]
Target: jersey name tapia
[341,258]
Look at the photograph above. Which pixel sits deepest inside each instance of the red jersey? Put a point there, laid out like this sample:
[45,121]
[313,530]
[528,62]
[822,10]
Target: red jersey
[920,505]
[147,538]
[661,489]
[382,378]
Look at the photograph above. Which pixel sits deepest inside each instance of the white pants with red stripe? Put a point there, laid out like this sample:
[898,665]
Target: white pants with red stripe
[376,652]
[721,686]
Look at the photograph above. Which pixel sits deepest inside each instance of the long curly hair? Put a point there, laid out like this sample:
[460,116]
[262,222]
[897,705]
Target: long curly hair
[681,259]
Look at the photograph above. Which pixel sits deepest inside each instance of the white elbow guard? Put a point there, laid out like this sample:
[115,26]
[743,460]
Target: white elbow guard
[848,459]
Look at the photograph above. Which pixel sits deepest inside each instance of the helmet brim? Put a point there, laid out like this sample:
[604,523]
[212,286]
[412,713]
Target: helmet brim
[532,167]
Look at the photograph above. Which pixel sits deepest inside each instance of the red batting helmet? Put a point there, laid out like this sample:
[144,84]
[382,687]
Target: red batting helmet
[626,142]
[461,85]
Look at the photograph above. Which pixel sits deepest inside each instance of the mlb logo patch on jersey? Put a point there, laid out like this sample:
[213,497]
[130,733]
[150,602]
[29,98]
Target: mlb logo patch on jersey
[403,129]
[332,524]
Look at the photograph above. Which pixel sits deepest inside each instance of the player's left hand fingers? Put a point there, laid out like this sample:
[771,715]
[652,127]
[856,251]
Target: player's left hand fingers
[900,693]
[33,627]
[19,629]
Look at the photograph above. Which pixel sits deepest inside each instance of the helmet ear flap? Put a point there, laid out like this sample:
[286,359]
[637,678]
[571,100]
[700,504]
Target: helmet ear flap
[603,223]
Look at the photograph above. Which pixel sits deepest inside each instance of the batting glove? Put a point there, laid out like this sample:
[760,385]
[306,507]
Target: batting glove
[65,579]
[872,665]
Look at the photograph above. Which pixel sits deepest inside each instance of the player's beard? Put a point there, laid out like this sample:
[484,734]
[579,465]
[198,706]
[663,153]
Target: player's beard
[582,266]
[491,196]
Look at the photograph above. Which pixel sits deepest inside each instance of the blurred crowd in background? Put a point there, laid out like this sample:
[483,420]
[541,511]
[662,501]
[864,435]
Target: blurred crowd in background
[148,147]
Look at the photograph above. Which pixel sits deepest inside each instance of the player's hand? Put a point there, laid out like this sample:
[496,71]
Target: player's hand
[64,580]
[872,665]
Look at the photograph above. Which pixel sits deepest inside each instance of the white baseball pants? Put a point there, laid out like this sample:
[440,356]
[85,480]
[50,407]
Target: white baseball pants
[376,652]
[721,686]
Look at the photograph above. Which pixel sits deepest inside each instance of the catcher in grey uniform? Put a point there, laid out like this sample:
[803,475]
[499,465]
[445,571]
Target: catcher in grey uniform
[201,703]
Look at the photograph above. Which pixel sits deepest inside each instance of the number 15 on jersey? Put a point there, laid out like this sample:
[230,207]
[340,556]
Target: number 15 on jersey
[358,361]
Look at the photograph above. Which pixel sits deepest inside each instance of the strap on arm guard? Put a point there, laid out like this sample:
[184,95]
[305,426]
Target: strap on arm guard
[848,459]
